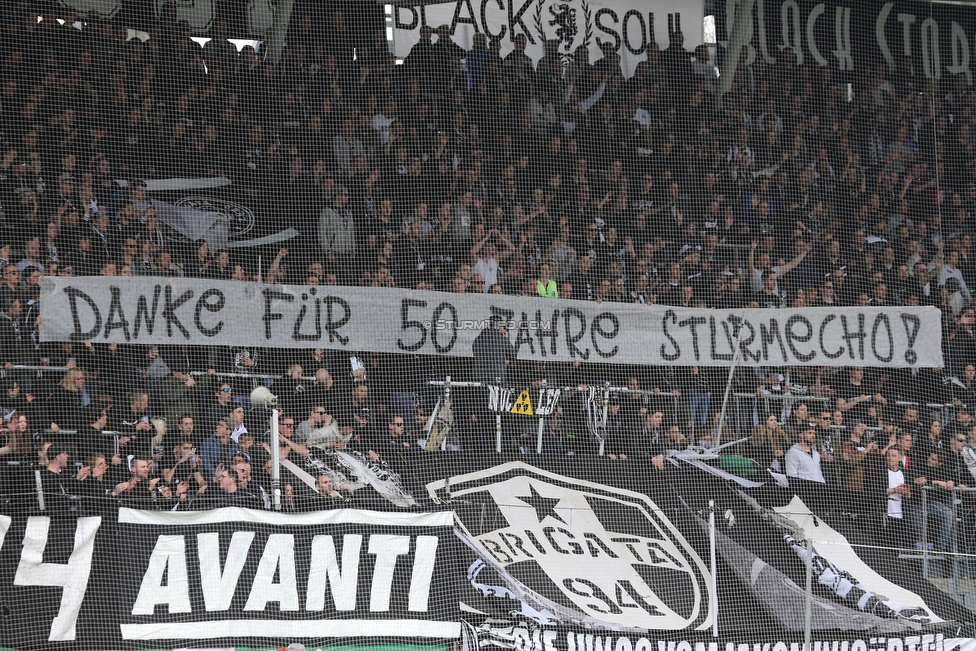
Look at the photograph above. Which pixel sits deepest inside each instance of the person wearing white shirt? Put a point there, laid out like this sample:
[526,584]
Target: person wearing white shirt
[235,421]
[803,460]
[897,491]
[950,270]
[489,256]
[382,121]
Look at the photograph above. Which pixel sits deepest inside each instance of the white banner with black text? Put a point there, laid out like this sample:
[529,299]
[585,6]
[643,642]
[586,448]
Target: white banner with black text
[151,310]
[627,28]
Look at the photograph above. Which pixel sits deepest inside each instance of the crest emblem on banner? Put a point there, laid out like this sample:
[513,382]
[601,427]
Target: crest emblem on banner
[572,551]
[240,219]
[563,22]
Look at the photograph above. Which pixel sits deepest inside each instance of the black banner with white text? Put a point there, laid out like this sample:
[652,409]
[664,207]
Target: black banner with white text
[227,574]
[937,38]
[548,553]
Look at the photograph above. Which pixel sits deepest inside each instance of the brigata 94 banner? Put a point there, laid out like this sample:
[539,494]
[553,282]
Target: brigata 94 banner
[212,312]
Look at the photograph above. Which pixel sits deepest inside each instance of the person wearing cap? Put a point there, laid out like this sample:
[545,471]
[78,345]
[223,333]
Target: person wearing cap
[64,200]
[55,482]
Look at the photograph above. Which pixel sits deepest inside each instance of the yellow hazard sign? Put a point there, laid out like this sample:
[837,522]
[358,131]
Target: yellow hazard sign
[523,404]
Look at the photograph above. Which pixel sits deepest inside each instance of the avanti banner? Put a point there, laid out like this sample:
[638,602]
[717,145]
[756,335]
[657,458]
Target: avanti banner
[227,575]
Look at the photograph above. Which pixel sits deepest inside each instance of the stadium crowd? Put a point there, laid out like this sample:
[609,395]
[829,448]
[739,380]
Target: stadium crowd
[468,172]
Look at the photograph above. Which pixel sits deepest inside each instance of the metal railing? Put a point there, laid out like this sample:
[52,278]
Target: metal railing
[742,423]
[65,369]
[606,390]
[958,530]
[106,432]
[247,376]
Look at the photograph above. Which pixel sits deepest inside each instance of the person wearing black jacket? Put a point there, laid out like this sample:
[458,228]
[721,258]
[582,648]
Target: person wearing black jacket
[58,486]
[91,437]
[65,405]
[136,492]
[250,488]
[116,369]
[963,387]
[293,393]
[12,399]
[633,406]
[493,355]
[932,386]
[13,347]
[93,483]
[959,472]
[17,458]
[53,478]
[650,441]
[583,281]
[181,465]
[358,408]
[411,255]
[935,477]
[228,493]
[493,352]
[618,433]
[956,467]
[134,426]
[327,495]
